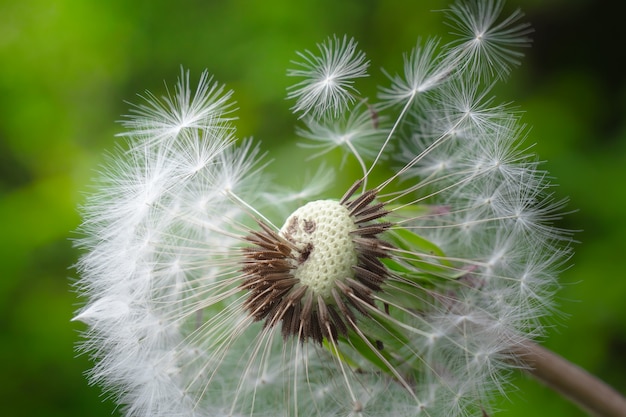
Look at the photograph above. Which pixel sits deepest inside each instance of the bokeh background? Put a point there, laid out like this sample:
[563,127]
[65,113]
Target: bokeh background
[66,67]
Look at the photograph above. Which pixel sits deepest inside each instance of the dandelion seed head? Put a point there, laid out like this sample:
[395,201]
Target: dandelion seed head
[210,290]
[319,270]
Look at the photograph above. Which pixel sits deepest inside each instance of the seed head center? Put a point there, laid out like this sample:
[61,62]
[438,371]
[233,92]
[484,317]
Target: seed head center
[321,230]
[321,271]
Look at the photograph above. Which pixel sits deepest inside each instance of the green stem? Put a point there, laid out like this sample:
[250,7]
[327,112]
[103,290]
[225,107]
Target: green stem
[588,392]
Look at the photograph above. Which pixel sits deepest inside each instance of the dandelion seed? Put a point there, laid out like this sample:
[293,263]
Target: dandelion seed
[206,108]
[327,87]
[400,298]
[357,133]
[488,47]
[420,75]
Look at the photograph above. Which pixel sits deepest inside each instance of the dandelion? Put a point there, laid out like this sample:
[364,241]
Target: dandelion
[413,296]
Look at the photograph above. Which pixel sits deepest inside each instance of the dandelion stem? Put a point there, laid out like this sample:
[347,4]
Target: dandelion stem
[574,383]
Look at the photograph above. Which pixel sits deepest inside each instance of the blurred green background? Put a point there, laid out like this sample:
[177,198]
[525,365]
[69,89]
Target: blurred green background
[66,67]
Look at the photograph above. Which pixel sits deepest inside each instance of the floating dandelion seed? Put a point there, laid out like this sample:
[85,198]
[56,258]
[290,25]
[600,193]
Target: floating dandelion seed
[405,298]
[328,84]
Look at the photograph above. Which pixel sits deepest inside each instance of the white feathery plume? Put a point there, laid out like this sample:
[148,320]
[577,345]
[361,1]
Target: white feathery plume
[327,87]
